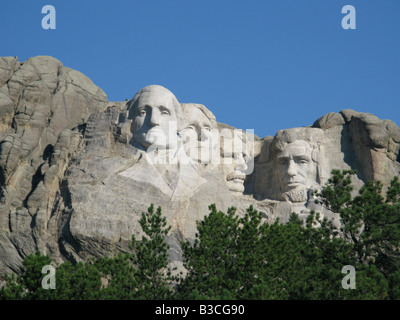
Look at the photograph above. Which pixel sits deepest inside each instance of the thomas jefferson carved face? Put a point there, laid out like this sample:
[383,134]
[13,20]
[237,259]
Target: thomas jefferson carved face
[201,139]
[296,168]
[155,118]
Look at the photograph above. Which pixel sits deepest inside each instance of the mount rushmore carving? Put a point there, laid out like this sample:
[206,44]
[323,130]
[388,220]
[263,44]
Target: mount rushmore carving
[77,171]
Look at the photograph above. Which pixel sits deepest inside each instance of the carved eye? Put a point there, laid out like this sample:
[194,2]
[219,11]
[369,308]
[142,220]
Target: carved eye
[207,129]
[165,113]
[303,161]
[282,162]
[141,112]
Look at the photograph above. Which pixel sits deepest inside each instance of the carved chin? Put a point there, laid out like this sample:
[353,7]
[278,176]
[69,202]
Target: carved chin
[236,185]
[153,143]
[296,195]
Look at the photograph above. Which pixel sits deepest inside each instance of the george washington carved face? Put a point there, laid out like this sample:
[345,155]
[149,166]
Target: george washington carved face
[156,116]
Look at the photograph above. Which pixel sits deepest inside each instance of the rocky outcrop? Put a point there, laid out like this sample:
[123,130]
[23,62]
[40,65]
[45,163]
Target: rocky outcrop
[77,171]
[44,108]
[374,143]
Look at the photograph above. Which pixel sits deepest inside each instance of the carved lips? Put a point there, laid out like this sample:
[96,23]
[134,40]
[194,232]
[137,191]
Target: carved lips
[236,176]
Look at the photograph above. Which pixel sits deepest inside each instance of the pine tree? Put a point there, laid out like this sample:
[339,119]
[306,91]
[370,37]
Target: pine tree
[118,276]
[227,258]
[371,224]
[81,281]
[28,284]
[150,257]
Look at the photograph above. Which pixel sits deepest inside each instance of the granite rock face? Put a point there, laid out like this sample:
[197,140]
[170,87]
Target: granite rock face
[77,171]
[44,108]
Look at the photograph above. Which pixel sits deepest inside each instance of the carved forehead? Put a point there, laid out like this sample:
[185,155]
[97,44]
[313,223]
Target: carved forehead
[199,113]
[154,95]
[236,141]
[297,148]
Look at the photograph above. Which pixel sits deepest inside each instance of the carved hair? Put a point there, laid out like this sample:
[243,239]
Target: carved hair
[309,135]
[285,137]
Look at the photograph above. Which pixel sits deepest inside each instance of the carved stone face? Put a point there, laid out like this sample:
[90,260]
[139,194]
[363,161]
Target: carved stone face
[296,169]
[234,163]
[154,119]
[198,135]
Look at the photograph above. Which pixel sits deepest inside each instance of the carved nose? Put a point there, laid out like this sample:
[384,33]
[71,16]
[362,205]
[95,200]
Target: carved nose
[154,119]
[240,163]
[203,135]
[292,168]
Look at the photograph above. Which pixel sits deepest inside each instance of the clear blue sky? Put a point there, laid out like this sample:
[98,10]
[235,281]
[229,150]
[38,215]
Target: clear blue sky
[257,64]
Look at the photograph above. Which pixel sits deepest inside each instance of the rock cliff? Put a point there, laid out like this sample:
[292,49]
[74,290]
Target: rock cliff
[77,171]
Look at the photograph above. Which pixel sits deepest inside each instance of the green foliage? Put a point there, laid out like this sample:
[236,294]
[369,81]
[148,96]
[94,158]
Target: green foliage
[151,258]
[243,258]
[28,285]
[81,281]
[394,285]
[118,275]
[370,223]
[370,285]
[11,290]
[211,268]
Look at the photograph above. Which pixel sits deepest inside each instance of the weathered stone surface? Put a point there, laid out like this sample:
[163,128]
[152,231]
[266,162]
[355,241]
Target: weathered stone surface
[329,120]
[44,107]
[375,143]
[77,171]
